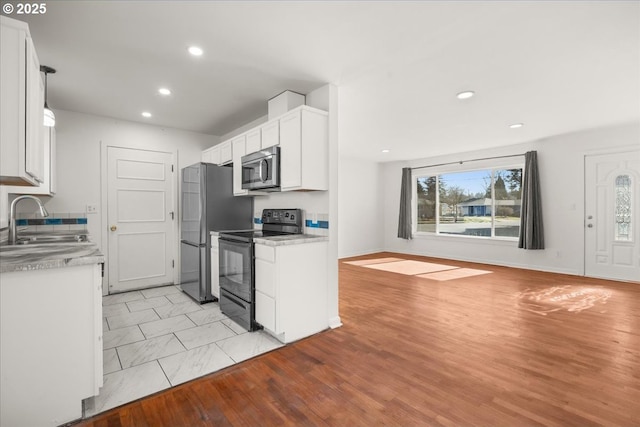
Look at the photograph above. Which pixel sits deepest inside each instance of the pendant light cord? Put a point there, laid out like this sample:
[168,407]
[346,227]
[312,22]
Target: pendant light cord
[46,70]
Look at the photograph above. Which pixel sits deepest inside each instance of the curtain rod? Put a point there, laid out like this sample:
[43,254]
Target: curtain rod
[465,161]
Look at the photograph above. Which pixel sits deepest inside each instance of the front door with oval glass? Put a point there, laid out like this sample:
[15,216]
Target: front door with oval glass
[612,216]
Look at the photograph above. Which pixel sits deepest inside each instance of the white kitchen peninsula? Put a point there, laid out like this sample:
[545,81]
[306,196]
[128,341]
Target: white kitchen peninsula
[51,332]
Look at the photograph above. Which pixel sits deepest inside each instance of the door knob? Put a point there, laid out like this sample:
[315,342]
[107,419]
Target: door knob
[114,228]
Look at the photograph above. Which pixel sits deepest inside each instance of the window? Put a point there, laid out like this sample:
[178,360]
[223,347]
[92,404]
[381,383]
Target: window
[623,208]
[482,203]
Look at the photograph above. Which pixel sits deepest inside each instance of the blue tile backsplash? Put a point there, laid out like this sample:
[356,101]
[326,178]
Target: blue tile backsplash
[51,221]
[320,224]
[56,221]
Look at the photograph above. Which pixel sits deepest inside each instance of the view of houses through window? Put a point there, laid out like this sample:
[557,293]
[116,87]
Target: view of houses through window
[483,203]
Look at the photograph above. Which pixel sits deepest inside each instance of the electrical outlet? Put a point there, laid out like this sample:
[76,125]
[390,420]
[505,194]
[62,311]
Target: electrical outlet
[92,209]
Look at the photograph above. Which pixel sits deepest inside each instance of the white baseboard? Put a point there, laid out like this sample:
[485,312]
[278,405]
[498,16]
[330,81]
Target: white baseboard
[547,269]
[354,254]
[335,322]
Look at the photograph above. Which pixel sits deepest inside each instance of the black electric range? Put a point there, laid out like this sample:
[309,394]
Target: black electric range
[237,267]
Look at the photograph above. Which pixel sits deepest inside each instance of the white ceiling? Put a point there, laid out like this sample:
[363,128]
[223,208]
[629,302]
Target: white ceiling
[555,66]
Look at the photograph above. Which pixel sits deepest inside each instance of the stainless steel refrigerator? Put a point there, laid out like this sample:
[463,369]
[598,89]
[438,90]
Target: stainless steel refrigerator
[208,204]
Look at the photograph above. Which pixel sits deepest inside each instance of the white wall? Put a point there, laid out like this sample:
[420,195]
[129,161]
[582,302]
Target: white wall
[4,207]
[79,138]
[360,209]
[561,166]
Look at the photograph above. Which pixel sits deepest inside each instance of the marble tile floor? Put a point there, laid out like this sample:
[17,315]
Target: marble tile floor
[157,338]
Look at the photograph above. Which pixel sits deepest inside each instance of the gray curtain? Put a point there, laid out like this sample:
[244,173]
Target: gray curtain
[404,221]
[531,228]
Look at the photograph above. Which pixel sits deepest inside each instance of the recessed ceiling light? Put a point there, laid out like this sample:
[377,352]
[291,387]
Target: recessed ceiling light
[466,94]
[146,114]
[385,151]
[195,51]
[164,91]
[516,125]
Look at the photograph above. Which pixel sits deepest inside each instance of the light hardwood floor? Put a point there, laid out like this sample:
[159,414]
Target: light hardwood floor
[497,349]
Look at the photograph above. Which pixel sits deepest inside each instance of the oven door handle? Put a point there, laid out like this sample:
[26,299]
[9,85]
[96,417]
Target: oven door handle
[235,243]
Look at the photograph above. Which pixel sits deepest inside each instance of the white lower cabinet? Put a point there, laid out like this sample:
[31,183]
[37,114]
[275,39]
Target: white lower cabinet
[50,344]
[291,289]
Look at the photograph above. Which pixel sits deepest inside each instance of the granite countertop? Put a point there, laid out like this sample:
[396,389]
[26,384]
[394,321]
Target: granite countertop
[40,256]
[290,239]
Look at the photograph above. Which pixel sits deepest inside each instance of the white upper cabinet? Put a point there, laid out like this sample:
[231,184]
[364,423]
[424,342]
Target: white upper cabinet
[253,141]
[35,115]
[263,137]
[212,155]
[239,150]
[270,134]
[22,141]
[304,150]
[226,152]
[303,137]
[219,154]
[48,186]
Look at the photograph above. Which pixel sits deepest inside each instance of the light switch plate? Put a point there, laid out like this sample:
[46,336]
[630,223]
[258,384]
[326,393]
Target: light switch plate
[92,209]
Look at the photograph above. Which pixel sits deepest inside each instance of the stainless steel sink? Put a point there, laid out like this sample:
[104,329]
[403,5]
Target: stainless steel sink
[51,238]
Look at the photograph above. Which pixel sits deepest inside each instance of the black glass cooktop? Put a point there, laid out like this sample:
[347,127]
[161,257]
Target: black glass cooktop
[248,236]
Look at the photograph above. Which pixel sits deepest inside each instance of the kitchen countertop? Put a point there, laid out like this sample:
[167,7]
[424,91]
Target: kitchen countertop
[290,239]
[41,256]
[285,239]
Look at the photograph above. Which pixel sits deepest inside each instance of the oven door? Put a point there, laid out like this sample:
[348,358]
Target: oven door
[236,268]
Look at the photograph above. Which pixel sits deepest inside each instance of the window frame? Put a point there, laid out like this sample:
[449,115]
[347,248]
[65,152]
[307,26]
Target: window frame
[492,166]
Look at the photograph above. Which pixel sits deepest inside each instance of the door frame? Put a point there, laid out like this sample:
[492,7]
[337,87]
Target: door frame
[104,222]
[596,152]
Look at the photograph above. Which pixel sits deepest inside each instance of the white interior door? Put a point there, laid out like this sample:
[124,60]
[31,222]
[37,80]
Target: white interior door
[612,212]
[140,202]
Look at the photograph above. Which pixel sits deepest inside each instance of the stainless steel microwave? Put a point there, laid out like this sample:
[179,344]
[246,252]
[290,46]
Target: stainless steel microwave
[261,170]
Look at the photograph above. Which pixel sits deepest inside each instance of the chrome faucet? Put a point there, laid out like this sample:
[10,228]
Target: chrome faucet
[13,231]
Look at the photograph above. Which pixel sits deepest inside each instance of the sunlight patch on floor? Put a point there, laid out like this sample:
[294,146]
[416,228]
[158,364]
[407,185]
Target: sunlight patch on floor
[567,297]
[363,262]
[423,270]
[457,273]
[409,267]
